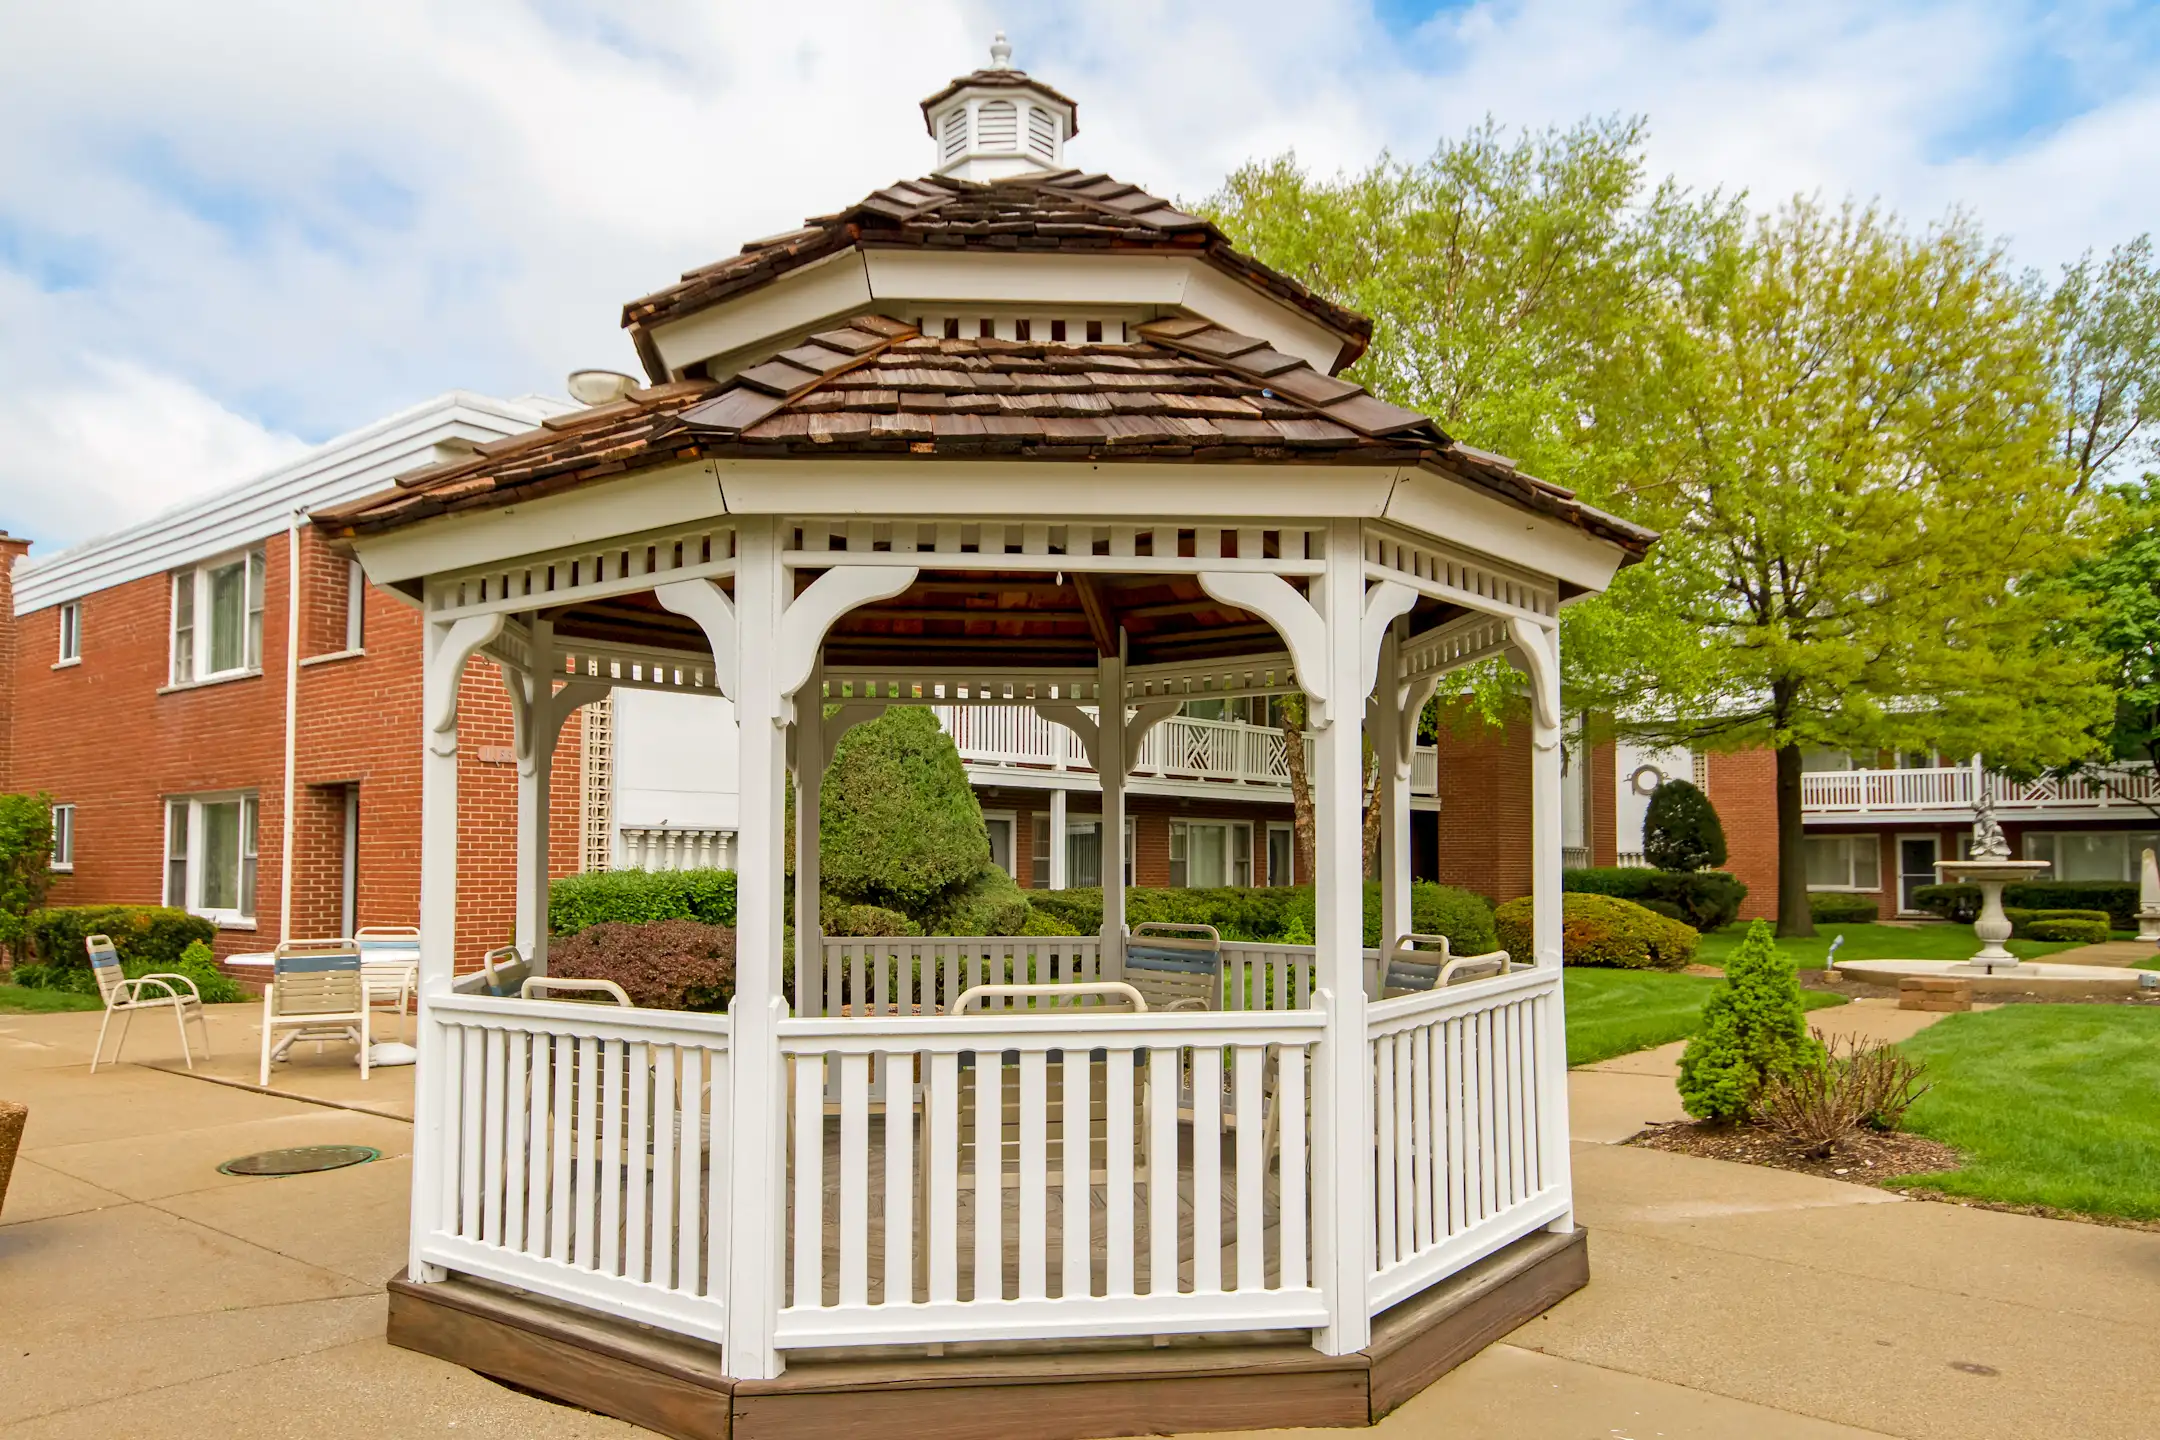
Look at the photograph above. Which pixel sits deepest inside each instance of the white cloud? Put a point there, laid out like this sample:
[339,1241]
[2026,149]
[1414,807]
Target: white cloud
[297,218]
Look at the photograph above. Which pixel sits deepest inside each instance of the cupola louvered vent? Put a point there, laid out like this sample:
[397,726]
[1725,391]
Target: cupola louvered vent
[997,126]
[1042,132]
[953,142]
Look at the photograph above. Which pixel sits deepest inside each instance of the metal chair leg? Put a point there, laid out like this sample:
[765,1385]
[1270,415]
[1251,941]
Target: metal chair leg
[187,1051]
[98,1053]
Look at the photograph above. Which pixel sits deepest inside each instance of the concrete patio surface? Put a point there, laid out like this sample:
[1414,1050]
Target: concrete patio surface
[148,1295]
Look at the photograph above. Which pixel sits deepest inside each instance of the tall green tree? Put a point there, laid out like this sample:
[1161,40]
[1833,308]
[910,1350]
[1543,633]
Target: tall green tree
[1860,478]
[2121,628]
[2107,362]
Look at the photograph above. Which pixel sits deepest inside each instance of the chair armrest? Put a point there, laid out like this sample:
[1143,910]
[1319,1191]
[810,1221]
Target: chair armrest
[536,987]
[168,978]
[1111,989]
[131,988]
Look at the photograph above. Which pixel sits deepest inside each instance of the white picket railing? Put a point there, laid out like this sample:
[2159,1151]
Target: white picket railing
[577,1158]
[1952,788]
[677,847]
[1466,1132]
[908,975]
[961,1205]
[1258,975]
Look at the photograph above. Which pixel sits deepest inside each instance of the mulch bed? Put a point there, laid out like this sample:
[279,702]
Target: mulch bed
[1864,1158]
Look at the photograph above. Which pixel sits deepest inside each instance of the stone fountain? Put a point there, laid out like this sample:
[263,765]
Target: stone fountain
[1990,867]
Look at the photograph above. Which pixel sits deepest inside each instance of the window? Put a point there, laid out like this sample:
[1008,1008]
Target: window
[1001,841]
[1245,709]
[1814,761]
[1843,862]
[1084,852]
[355,609]
[2091,854]
[70,632]
[1281,855]
[63,837]
[210,856]
[1039,857]
[217,619]
[1208,854]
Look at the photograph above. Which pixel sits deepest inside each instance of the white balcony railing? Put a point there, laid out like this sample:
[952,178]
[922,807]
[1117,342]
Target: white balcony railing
[1183,747]
[1952,788]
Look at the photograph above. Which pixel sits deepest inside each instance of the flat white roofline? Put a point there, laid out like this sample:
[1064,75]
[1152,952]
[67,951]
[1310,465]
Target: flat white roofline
[351,465]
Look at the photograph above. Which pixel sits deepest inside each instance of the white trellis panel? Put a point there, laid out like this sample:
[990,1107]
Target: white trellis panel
[1194,1126]
[620,567]
[1456,576]
[1454,645]
[580,1160]
[1463,1127]
[1162,547]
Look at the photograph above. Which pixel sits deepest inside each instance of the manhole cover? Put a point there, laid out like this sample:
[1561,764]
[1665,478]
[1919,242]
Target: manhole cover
[301,1160]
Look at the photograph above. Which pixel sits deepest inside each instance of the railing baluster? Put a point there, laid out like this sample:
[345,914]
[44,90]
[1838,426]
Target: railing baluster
[809,1163]
[1251,1195]
[1383,1066]
[1118,1172]
[518,1102]
[491,1177]
[941,1125]
[989,1175]
[690,1164]
[1290,1130]
[854,1179]
[1075,1235]
[1405,1149]
[664,1126]
[1034,1173]
[1207,1132]
[560,1201]
[899,1177]
[611,1157]
[638,1061]
[1162,1178]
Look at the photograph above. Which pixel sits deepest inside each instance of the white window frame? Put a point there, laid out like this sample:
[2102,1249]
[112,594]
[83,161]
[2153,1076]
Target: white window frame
[191,603]
[184,829]
[1181,841]
[70,634]
[2046,845]
[355,607]
[1286,828]
[63,840]
[1855,844]
[1080,824]
[1010,819]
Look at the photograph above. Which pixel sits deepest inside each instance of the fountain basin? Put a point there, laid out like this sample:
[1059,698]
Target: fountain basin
[1993,927]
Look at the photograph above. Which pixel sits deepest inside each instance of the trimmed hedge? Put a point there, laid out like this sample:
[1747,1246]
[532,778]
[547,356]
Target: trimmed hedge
[991,904]
[661,965]
[2021,919]
[2118,898]
[898,825]
[638,897]
[156,934]
[865,921]
[1834,908]
[196,962]
[1279,913]
[1681,830]
[1703,899]
[2084,932]
[1604,931]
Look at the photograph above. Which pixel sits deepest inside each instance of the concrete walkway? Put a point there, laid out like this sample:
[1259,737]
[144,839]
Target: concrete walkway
[147,1295]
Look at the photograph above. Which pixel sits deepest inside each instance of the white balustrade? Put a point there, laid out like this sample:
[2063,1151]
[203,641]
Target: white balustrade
[1951,788]
[1466,1136]
[924,975]
[958,1199]
[1263,976]
[677,847]
[1182,747]
[1425,770]
[578,1157]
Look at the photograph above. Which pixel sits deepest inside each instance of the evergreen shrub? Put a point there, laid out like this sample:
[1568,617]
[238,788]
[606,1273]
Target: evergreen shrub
[155,934]
[866,921]
[1681,830]
[1835,908]
[638,897]
[1604,931]
[661,965]
[898,826]
[1704,899]
[25,863]
[1752,1029]
[2117,898]
[2083,932]
[196,962]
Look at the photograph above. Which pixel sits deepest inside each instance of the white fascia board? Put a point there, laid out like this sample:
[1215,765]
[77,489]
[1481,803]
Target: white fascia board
[902,282]
[648,500]
[1023,489]
[1538,543]
[352,465]
[832,288]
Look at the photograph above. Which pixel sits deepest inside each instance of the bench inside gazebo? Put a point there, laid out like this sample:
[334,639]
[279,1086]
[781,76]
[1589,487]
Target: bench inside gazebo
[1052,1186]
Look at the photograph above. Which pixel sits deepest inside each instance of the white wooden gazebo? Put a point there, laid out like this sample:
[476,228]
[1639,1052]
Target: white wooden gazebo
[1021,436]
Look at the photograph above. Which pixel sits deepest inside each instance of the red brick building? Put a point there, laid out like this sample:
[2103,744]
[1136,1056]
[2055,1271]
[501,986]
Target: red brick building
[152,682]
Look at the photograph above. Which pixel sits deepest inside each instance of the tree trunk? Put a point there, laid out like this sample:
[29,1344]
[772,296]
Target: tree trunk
[1372,812]
[1301,804]
[1794,919]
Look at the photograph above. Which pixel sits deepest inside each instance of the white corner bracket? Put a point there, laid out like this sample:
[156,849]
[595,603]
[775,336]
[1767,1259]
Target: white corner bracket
[1082,724]
[809,615]
[1384,603]
[1536,648]
[705,602]
[1145,718]
[450,646]
[1304,633]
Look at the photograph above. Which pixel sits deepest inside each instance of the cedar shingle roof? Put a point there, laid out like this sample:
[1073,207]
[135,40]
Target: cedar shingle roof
[1064,211]
[1188,390]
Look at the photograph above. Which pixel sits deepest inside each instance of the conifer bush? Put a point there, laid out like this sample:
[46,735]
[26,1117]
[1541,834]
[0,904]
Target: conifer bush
[898,826]
[1753,1030]
[1681,830]
[1601,930]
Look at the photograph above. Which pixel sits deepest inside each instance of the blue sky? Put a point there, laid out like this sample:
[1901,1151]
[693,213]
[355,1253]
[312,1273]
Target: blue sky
[229,229]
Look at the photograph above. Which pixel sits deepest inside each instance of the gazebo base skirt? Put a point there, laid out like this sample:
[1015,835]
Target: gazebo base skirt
[1054,1391]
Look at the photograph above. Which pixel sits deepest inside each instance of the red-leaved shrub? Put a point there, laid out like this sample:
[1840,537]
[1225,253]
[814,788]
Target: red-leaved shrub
[661,965]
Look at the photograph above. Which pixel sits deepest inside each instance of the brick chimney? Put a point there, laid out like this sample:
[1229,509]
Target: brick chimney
[12,548]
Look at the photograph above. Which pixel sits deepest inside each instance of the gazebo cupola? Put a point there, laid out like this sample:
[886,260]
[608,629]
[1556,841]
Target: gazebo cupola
[998,123]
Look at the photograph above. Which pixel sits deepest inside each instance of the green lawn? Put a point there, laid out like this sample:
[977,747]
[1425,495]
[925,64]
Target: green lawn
[1613,1012]
[2052,1105]
[1872,942]
[15,1000]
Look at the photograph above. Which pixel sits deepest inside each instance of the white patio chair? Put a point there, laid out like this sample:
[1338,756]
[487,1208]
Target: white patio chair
[124,996]
[389,967]
[1176,967]
[539,985]
[316,993]
[1411,970]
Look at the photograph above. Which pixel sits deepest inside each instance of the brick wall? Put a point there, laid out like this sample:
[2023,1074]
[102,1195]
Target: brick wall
[1151,817]
[1743,788]
[110,737]
[1485,806]
[1604,781]
[11,549]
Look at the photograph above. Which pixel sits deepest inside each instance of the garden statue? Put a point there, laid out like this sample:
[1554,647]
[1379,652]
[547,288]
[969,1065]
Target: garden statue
[1988,842]
[2149,900]
[1989,866]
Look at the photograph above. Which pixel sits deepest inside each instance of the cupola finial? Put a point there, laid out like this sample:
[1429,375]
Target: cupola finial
[1000,52]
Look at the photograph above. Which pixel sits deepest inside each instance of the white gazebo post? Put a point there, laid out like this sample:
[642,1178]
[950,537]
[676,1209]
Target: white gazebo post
[1397,701]
[538,709]
[809,882]
[1342,1160]
[448,646]
[1536,649]
[1112,764]
[1056,857]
